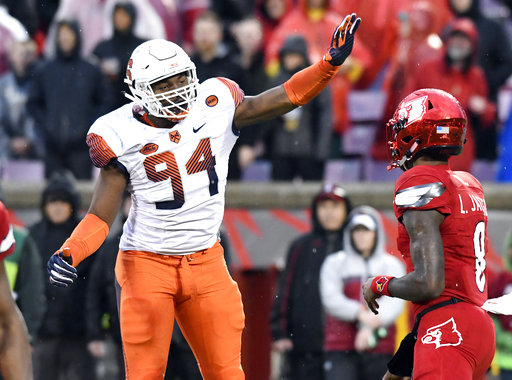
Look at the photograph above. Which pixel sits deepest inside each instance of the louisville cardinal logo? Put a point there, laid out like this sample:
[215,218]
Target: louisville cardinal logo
[381,282]
[445,334]
[413,110]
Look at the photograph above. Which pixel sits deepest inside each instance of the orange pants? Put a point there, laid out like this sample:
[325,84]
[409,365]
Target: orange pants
[196,289]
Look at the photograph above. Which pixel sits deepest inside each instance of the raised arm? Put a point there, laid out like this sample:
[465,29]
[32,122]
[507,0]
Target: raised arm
[426,281]
[304,85]
[92,230]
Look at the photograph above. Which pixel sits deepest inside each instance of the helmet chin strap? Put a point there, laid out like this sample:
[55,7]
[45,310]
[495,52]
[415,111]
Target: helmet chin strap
[408,154]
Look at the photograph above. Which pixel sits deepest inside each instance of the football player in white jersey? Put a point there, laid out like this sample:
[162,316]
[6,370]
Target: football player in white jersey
[170,149]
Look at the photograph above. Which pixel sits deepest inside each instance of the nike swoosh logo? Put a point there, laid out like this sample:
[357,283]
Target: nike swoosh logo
[196,130]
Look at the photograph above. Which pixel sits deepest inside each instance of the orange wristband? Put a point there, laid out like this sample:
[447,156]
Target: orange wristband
[86,238]
[309,82]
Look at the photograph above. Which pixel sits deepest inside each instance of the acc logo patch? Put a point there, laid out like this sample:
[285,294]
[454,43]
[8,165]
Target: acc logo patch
[444,334]
[149,148]
[211,101]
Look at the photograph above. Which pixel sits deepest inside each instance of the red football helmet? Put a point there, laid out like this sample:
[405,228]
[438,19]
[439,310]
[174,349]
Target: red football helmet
[426,121]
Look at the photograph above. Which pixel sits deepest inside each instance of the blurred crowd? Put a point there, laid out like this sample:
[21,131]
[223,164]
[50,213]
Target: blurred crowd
[62,65]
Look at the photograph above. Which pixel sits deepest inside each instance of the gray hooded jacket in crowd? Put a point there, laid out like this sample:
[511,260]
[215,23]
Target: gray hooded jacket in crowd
[341,278]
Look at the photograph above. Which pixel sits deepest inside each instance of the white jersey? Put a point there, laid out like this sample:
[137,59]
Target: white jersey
[177,176]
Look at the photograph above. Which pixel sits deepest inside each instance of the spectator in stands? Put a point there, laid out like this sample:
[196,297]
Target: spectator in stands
[248,35]
[313,20]
[25,12]
[231,11]
[418,42]
[95,19]
[297,320]
[101,300]
[211,56]
[45,11]
[61,348]
[381,32]
[11,30]
[501,285]
[299,141]
[190,11]
[358,344]
[23,268]
[68,94]
[115,52]
[270,13]
[213,59]
[494,50]
[495,58]
[16,122]
[456,72]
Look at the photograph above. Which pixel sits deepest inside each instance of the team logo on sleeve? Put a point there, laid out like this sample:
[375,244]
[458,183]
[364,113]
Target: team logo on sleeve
[211,101]
[418,196]
[149,148]
[442,335]
[175,136]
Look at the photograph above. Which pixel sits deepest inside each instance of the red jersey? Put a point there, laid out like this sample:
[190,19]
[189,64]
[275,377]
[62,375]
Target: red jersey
[7,243]
[458,196]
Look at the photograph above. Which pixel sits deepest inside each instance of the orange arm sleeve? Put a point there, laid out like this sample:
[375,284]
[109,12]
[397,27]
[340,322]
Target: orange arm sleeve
[86,238]
[309,82]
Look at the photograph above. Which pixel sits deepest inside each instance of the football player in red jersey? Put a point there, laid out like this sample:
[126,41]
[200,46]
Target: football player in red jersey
[442,235]
[15,352]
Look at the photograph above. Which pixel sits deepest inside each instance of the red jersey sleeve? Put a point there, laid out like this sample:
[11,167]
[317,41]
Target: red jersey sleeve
[7,243]
[421,189]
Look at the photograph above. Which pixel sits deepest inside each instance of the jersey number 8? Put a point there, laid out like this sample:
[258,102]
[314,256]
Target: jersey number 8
[479,244]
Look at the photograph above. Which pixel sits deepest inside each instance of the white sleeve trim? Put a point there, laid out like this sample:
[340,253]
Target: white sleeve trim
[7,242]
[417,196]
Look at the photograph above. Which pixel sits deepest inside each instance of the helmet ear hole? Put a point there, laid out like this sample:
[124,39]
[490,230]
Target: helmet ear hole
[407,139]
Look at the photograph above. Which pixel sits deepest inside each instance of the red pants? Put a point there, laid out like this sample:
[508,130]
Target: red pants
[196,289]
[455,342]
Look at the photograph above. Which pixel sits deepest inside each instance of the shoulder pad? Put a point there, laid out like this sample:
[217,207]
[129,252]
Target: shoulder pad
[420,195]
